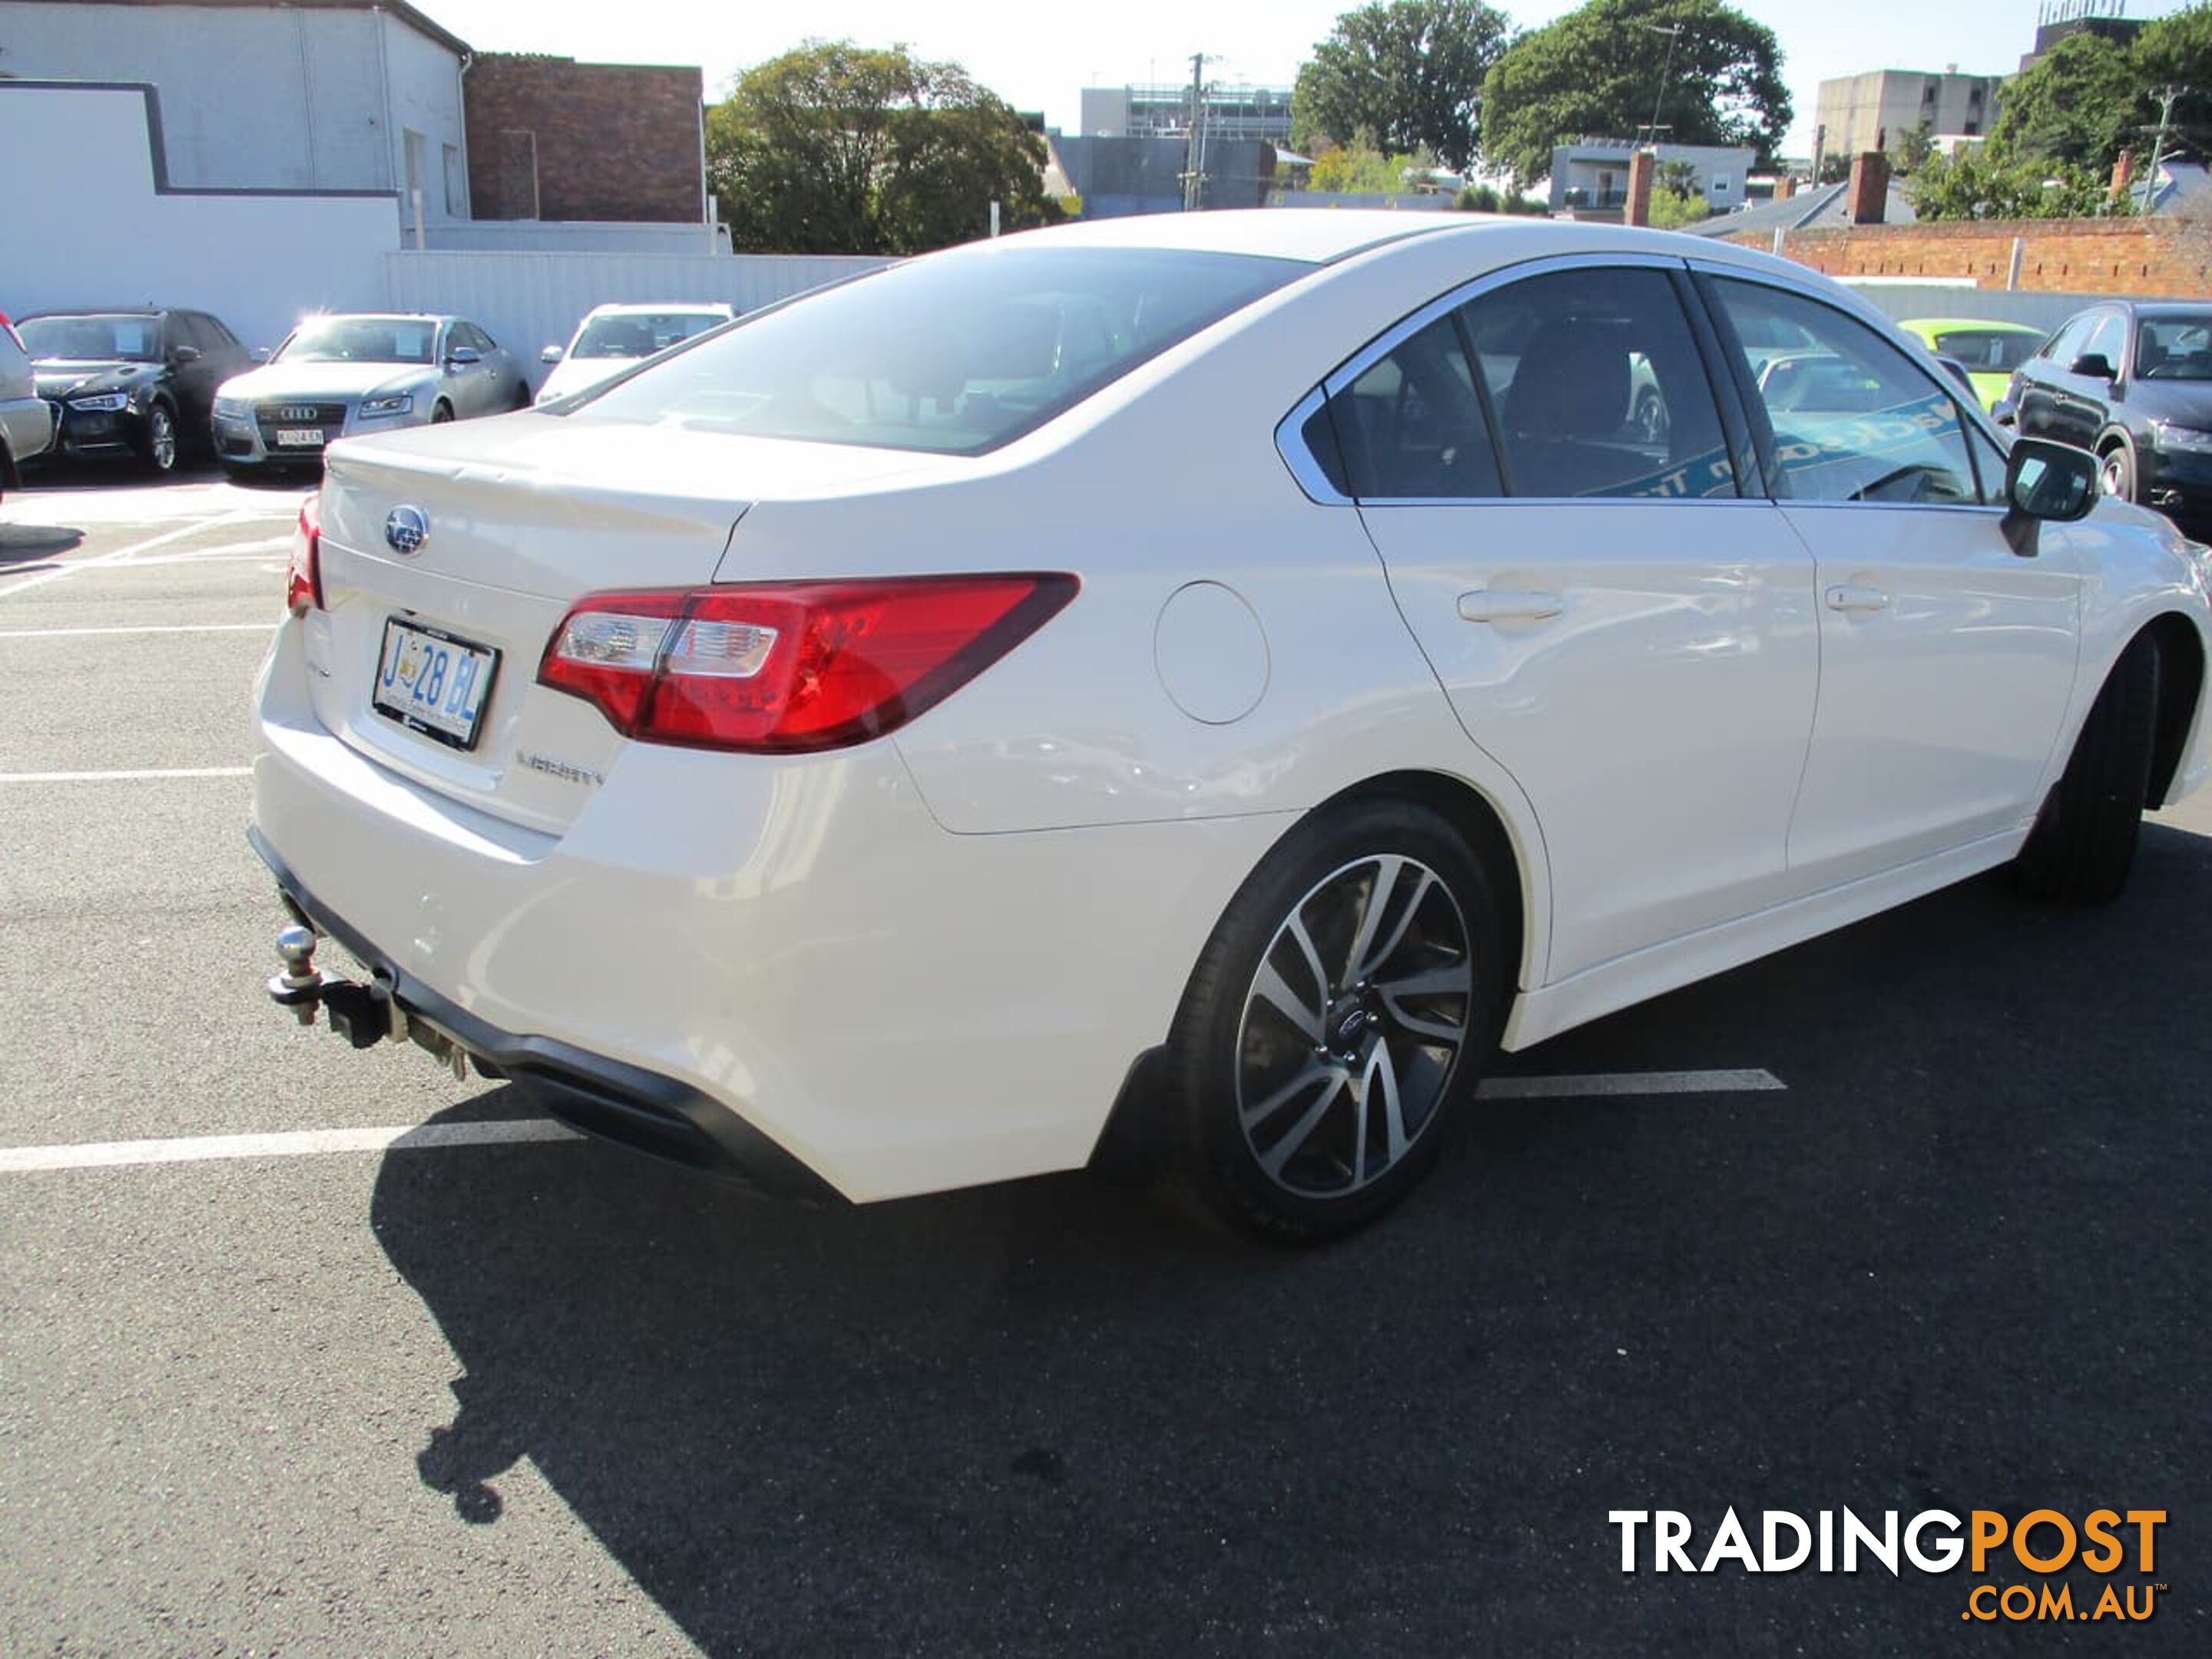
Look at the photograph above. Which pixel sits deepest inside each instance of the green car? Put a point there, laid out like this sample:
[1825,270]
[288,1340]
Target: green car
[1990,350]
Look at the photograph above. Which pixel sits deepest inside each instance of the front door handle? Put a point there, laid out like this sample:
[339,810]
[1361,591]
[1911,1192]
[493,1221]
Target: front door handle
[1846,598]
[1491,604]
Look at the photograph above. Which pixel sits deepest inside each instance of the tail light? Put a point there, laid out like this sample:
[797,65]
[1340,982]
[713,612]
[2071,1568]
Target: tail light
[303,577]
[787,667]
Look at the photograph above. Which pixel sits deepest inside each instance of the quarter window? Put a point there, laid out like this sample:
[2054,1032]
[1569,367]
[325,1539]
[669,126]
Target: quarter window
[1597,387]
[1853,418]
[1411,426]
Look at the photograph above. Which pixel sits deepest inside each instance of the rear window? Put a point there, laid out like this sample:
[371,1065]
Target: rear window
[640,334]
[1988,350]
[956,355]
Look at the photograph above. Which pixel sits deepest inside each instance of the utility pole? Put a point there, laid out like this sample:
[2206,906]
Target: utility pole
[1193,169]
[1673,33]
[2166,95]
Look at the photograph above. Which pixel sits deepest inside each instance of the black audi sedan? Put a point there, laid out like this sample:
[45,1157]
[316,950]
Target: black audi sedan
[2133,382]
[134,385]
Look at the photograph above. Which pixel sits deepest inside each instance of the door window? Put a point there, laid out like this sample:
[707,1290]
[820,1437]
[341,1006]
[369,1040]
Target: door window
[2063,347]
[1597,386]
[1411,428]
[1853,417]
[2108,340]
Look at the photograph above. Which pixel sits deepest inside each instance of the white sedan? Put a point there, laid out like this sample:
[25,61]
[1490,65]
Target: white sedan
[1231,670]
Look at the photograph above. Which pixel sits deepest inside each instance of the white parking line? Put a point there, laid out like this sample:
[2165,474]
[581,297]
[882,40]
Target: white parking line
[302,1143]
[122,555]
[1631,1083]
[307,1143]
[139,775]
[162,628]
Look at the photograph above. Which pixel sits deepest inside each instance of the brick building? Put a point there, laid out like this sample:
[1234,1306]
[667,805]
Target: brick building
[552,139]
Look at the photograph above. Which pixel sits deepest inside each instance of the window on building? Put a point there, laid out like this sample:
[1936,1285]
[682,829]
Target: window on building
[457,184]
[414,148]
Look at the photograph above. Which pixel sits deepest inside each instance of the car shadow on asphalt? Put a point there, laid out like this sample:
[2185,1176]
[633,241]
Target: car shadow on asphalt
[1955,1266]
[19,542]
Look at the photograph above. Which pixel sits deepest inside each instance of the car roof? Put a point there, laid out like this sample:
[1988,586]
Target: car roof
[658,307]
[1318,236]
[382,317]
[102,311]
[2172,308]
[1996,324]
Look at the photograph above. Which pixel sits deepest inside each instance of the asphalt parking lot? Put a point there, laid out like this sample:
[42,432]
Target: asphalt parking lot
[1915,1217]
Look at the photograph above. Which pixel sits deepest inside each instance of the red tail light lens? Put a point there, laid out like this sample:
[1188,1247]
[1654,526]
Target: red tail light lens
[785,667]
[303,578]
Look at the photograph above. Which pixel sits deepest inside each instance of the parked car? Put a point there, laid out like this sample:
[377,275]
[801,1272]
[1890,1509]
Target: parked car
[1243,667]
[335,376]
[1990,350]
[612,338]
[2131,381]
[131,384]
[26,421]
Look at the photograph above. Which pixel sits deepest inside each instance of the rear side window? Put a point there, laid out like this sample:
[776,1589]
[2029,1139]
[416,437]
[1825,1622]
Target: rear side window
[1597,388]
[958,354]
[1853,417]
[1411,426]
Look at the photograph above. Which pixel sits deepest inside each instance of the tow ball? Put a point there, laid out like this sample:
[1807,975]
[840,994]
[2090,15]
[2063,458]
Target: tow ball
[364,1015]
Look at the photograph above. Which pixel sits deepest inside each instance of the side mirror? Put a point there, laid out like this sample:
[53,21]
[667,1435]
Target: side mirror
[185,355]
[258,354]
[2094,364]
[2005,412]
[463,356]
[2046,481]
[551,354]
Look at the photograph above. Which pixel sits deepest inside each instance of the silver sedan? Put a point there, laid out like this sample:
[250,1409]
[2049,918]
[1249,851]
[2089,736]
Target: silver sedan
[338,376]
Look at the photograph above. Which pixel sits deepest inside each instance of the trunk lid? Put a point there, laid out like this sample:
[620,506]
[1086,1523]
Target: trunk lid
[518,518]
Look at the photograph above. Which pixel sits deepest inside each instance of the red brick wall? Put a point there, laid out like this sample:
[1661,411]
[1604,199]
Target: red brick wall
[2153,257]
[611,142]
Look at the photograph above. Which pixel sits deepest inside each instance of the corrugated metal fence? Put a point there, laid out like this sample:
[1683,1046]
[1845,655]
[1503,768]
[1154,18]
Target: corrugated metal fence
[1907,300]
[531,300]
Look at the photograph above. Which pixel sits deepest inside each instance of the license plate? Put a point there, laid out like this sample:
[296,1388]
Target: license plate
[311,438]
[431,683]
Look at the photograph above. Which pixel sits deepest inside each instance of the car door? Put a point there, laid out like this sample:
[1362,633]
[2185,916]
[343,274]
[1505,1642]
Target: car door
[191,374]
[1946,657]
[2038,388]
[2083,402]
[1615,624]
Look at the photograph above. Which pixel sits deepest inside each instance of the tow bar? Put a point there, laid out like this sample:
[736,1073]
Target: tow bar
[364,1015]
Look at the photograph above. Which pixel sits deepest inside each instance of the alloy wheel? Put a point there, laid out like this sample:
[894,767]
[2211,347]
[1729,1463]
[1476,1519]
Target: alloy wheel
[160,439]
[1353,1026]
[2115,476]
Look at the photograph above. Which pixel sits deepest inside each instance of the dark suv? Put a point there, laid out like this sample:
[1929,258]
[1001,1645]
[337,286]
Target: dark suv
[2133,382]
[132,384]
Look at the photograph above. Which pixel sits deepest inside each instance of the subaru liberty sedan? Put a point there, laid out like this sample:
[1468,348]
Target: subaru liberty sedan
[1224,674]
[362,374]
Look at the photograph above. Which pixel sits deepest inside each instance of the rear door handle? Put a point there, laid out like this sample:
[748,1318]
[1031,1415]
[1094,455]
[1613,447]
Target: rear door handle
[1491,604]
[1846,598]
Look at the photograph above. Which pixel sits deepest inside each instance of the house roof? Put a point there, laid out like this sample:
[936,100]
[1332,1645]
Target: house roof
[1818,209]
[399,8]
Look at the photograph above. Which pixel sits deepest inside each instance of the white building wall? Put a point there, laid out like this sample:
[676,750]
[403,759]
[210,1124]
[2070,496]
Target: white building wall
[425,93]
[106,236]
[280,98]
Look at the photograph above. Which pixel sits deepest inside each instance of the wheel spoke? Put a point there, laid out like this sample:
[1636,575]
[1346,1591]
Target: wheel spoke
[1296,927]
[1253,1116]
[1301,1132]
[1268,986]
[1370,916]
[1453,979]
[1438,1030]
[1384,951]
[1381,1077]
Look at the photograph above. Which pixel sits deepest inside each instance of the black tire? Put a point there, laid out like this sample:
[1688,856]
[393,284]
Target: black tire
[2116,470]
[159,441]
[441,412]
[2084,839]
[1359,1137]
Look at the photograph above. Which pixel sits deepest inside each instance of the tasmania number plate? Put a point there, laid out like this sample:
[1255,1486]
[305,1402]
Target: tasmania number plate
[431,683]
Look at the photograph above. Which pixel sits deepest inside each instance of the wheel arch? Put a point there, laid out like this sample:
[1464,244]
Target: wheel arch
[1486,832]
[2181,684]
[10,476]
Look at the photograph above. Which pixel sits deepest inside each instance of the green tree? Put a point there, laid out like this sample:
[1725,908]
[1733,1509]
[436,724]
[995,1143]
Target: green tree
[2079,106]
[1402,75]
[1362,171]
[838,148]
[1976,183]
[1676,178]
[1912,151]
[1672,209]
[1596,72]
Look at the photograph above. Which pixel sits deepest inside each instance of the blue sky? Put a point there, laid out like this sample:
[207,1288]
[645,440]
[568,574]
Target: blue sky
[1041,57]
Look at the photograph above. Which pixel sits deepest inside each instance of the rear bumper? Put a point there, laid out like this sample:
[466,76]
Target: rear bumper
[790,943]
[626,1104]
